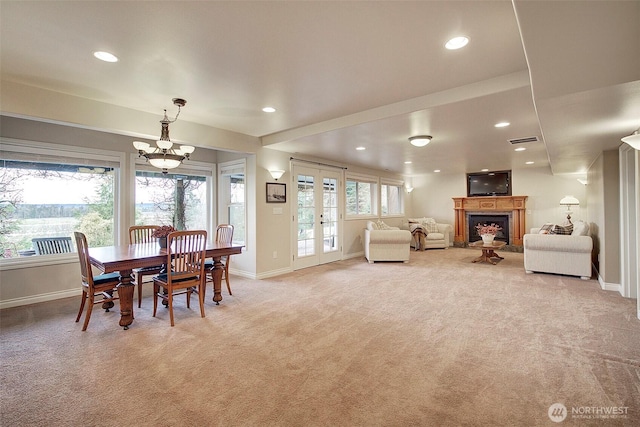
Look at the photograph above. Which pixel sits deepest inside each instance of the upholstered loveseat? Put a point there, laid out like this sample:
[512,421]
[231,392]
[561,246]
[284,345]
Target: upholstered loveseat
[385,243]
[568,254]
[436,235]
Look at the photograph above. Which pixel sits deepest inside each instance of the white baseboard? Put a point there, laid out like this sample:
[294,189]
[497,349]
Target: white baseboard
[354,255]
[616,287]
[34,299]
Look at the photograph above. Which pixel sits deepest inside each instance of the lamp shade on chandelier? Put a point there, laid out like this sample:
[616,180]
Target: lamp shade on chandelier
[164,156]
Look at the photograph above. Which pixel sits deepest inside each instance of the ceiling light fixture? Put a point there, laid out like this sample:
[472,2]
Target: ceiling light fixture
[633,139]
[520,149]
[502,124]
[457,43]
[269,110]
[361,148]
[420,140]
[105,56]
[164,156]
[529,163]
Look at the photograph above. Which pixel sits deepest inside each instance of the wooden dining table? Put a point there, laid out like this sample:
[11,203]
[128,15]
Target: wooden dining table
[124,258]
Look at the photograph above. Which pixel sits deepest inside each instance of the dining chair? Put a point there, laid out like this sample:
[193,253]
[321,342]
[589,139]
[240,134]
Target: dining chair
[186,256]
[102,285]
[224,234]
[142,234]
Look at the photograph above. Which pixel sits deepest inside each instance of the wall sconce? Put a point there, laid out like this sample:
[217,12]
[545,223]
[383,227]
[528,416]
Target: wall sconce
[409,189]
[276,174]
[569,201]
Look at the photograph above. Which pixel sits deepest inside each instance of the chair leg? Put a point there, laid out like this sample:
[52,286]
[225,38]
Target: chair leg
[226,274]
[84,299]
[89,310]
[201,298]
[139,283]
[170,298]
[156,289]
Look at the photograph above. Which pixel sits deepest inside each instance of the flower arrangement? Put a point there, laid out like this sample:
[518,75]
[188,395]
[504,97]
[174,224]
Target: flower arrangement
[163,231]
[488,229]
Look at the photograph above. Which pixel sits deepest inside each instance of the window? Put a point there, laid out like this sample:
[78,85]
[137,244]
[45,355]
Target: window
[391,202]
[361,196]
[232,199]
[47,191]
[171,199]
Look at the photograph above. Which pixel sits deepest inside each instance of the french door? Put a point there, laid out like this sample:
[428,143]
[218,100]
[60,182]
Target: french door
[316,219]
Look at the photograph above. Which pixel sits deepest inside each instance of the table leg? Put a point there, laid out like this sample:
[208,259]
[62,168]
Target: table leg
[216,273]
[125,293]
[492,254]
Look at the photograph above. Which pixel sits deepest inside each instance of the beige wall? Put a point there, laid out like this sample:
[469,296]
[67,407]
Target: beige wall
[433,193]
[603,194]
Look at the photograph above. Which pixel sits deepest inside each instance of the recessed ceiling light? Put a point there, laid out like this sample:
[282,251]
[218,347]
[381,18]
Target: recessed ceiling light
[269,110]
[484,170]
[520,149]
[408,162]
[529,163]
[457,43]
[105,56]
[502,124]
[437,170]
[361,148]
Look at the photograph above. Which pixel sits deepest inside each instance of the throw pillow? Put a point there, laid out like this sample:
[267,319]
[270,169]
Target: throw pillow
[382,226]
[430,225]
[562,229]
[580,228]
[546,228]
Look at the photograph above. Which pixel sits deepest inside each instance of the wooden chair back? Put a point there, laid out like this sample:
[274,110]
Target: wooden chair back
[224,233]
[83,255]
[52,245]
[142,233]
[186,254]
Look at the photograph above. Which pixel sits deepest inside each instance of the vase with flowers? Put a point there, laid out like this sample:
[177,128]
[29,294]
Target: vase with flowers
[161,234]
[488,232]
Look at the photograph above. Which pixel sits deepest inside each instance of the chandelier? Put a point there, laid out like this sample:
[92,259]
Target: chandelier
[164,156]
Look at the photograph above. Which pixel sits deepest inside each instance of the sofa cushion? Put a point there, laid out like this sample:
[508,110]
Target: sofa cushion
[435,236]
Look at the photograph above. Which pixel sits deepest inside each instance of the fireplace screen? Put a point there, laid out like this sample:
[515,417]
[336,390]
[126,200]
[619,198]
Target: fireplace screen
[501,220]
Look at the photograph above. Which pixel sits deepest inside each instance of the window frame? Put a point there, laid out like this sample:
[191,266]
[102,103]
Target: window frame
[392,183]
[80,155]
[374,183]
[226,168]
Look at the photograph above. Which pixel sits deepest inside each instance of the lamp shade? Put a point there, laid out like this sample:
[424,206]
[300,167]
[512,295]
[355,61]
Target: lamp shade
[633,139]
[276,173]
[569,201]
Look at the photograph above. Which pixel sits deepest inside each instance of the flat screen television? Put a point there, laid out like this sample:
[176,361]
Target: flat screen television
[496,183]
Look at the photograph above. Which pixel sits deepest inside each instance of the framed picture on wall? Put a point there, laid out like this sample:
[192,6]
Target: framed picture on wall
[276,193]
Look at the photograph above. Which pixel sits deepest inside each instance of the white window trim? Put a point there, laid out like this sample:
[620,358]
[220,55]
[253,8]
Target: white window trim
[375,197]
[223,169]
[393,183]
[72,152]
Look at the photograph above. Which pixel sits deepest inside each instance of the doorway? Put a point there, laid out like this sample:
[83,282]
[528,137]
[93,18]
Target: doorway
[317,218]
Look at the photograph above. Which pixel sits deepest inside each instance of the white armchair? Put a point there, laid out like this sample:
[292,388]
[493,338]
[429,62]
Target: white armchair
[438,235]
[386,243]
[559,254]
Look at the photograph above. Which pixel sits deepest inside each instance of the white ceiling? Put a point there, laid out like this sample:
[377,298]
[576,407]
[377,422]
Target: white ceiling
[357,73]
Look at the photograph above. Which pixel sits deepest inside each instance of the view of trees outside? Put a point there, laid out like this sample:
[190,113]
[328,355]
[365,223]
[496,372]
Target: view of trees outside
[236,211]
[171,199]
[52,200]
[390,199]
[358,198]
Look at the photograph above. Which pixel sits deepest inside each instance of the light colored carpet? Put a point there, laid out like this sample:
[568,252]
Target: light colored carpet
[438,341]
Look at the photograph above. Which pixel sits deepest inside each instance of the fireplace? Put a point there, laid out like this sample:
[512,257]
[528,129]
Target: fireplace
[500,220]
[511,206]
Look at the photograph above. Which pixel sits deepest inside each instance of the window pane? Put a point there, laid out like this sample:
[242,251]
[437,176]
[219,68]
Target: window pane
[171,199]
[358,197]
[54,200]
